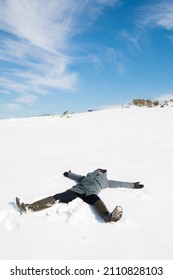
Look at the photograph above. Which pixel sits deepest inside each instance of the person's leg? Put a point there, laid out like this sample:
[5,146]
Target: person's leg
[47,202]
[102,210]
[36,206]
[91,199]
[98,205]
[66,197]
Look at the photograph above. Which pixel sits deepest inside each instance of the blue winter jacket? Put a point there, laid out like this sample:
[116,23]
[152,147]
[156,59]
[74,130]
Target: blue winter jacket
[94,182]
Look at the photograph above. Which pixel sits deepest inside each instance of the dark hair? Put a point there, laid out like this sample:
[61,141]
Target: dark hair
[102,170]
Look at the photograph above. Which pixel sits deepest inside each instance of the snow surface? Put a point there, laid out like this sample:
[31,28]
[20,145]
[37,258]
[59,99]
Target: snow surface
[133,144]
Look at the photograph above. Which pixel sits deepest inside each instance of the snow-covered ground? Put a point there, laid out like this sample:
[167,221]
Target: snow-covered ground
[131,143]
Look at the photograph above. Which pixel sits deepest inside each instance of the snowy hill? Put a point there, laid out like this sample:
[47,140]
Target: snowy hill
[132,144]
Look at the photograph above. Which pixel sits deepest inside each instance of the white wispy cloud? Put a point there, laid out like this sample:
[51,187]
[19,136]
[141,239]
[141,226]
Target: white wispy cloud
[48,24]
[132,38]
[42,23]
[154,14]
[38,44]
[157,14]
[116,59]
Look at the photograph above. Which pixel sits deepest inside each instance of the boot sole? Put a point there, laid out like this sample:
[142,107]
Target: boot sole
[116,214]
[19,205]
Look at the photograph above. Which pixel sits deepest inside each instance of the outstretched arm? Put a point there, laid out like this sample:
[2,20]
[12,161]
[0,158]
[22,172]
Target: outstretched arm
[73,176]
[119,184]
[128,185]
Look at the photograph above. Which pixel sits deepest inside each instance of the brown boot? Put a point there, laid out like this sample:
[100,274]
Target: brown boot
[36,206]
[116,214]
[105,214]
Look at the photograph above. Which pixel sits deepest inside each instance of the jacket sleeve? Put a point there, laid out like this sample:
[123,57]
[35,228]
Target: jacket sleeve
[118,184]
[75,177]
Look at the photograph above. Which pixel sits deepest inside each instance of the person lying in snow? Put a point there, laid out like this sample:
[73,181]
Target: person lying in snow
[87,188]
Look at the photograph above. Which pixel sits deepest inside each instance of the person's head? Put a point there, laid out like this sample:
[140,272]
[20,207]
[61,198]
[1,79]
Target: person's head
[102,170]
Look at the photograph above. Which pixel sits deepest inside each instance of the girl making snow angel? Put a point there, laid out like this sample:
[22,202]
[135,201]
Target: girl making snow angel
[87,188]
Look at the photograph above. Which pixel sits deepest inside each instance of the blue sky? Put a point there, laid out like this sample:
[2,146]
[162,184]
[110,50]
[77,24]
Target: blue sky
[60,55]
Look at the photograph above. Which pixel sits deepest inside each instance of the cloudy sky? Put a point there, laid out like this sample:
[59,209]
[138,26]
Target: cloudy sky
[60,55]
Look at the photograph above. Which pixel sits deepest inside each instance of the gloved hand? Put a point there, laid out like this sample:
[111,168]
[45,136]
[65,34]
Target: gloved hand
[66,173]
[137,185]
